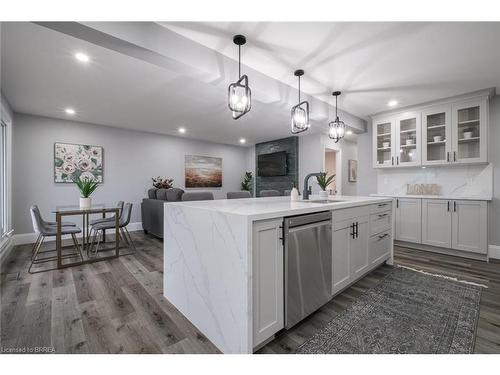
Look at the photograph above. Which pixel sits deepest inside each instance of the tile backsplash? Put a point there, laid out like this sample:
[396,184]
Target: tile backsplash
[458,181]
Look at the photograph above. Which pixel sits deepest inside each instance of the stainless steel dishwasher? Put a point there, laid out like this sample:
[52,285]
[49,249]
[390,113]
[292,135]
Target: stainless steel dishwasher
[308,264]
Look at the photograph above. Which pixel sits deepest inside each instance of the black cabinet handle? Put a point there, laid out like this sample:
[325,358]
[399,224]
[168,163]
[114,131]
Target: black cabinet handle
[357,229]
[353,234]
[397,160]
[392,160]
[454,206]
[382,204]
[448,209]
[448,156]
[397,203]
[454,156]
[382,215]
[383,236]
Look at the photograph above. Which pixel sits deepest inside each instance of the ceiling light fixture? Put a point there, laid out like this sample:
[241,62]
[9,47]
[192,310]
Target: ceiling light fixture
[243,140]
[182,130]
[69,111]
[82,57]
[392,103]
[299,119]
[349,132]
[336,128]
[239,95]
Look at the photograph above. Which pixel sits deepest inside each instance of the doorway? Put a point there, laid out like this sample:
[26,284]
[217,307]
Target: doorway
[331,161]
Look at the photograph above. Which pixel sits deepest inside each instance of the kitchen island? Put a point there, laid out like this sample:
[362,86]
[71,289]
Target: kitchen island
[223,260]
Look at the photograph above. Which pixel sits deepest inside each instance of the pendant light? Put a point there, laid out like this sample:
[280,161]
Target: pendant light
[299,119]
[336,128]
[239,95]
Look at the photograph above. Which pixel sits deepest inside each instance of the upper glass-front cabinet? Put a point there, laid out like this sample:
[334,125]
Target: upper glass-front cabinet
[383,143]
[470,131]
[408,139]
[436,135]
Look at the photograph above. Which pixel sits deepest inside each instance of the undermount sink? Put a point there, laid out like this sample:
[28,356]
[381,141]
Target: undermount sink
[322,201]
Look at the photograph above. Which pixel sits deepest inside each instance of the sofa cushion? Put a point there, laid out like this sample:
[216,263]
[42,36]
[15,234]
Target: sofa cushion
[174,194]
[152,193]
[162,194]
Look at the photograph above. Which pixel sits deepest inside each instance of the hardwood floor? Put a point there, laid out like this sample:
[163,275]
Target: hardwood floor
[117,306]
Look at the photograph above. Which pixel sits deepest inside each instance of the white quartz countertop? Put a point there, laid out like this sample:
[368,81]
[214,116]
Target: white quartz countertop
[274,207]
[450,197]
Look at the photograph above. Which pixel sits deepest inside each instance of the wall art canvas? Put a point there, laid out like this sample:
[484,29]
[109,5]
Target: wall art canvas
[72,161]
[203,171]
[353,170]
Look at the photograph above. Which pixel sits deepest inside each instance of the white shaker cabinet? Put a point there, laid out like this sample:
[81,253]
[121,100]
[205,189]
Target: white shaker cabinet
[436,222]
[384,142]
[409,220]
[470,226]
[268,289]
[436,135]
[408,139]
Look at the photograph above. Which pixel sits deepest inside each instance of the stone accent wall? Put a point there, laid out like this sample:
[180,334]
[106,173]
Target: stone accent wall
[291,146]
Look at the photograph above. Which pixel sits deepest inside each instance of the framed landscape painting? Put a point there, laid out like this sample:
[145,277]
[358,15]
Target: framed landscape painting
[72,161]
[203,171]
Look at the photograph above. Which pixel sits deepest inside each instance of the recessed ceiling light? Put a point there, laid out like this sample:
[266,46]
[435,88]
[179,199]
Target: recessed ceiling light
[182,130]
[243,140]
[69,111]
[80,56]
[349,132]
[392,103]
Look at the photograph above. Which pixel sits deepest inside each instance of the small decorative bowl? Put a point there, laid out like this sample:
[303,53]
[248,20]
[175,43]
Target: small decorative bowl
[386,144]
[437,138]
[467,135]
[409,142]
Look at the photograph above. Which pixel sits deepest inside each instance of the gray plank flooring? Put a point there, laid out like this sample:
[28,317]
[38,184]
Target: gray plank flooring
[117,306]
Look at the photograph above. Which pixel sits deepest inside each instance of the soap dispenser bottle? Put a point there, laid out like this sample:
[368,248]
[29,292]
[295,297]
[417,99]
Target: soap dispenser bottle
[294,194]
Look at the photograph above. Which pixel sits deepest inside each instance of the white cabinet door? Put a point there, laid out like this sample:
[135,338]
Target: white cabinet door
[380,247]
[268,297]
[469,226]
[359,248]
[409,219]
[384,142]
[436,222]
[408,139]
[341,247]
[436,135]
[470,131]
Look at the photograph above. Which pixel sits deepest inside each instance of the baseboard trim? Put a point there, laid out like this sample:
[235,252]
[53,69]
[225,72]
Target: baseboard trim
[494,251]
[28,238]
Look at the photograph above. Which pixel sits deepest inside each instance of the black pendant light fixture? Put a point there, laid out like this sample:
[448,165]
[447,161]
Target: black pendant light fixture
[299,119]
[336,128]
[239,95]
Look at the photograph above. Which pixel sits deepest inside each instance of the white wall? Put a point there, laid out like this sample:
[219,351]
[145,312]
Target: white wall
[311,159]
[131,158]
[7,116]
[367,175]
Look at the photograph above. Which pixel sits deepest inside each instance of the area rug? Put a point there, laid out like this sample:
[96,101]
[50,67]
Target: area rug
[409,313]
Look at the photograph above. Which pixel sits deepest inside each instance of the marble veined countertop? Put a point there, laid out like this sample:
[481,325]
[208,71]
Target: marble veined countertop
[450,197]
[274,207]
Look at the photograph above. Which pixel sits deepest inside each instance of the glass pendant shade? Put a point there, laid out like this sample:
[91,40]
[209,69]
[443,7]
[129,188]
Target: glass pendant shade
[299,116]
[336,129]
[239,95]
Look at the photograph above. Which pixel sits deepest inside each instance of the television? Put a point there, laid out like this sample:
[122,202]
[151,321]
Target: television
[273,164]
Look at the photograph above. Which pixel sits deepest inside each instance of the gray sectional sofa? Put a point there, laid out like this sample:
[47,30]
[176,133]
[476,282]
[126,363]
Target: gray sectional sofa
[152,208]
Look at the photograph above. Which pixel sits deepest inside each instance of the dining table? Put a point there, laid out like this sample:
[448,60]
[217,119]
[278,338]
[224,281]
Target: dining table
[101,209]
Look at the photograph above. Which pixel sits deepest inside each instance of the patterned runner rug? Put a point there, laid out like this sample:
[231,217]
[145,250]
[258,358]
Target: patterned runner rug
[408,312]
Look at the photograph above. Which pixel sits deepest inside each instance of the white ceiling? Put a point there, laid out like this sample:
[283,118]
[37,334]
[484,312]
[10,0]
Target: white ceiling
[144,76]
[371,63]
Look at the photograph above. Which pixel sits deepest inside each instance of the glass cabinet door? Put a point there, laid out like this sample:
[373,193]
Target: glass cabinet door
[408,139]
[469,131]
[436,135]
[383,143]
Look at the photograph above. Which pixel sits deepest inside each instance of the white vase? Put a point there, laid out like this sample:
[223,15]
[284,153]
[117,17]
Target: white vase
[323,194]
[294,194]
[85,202]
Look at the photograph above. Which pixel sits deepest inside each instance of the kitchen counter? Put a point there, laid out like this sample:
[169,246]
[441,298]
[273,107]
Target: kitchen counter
[445,197]
[208,255]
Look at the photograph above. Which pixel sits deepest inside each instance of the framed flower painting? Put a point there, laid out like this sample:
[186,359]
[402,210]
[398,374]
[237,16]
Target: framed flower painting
[72,161]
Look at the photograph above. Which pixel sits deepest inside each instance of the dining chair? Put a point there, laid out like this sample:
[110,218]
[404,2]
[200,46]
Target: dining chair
[43,230]
[197,196]
[97,229]
[238,194]
[119,205]
[270,193]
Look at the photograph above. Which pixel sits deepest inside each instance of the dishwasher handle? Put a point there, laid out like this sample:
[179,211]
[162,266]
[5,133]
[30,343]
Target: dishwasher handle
[309,226]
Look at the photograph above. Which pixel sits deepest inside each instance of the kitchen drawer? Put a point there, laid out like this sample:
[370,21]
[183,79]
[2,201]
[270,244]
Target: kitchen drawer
[380,246]
[380,207]
[380,222]
[346,214]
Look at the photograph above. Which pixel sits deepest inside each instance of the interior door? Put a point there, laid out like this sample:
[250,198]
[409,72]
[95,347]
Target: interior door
[436,222]
[409,220]
[408,139]
[469,120]
[470,226]
[436,135]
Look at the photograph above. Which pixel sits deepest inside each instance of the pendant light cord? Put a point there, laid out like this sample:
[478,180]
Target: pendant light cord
[336,115]
[239,61]
[299,89]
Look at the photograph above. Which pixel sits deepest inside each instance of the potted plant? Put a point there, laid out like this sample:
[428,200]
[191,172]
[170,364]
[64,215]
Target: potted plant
[323,181]
[246,184]
[86,186]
